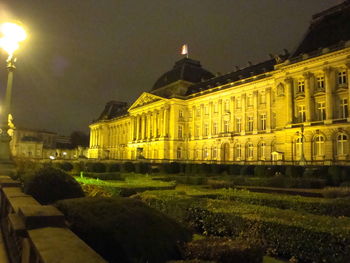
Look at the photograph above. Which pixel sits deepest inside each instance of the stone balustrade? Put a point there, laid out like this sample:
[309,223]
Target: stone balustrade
[37,233]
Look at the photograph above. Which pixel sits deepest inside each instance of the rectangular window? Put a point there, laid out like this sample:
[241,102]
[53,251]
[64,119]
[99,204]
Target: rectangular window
[238,124]
[344,113]
[301,86]
[262,98]
[180,113]
[301,113]
[227,106]
[250,123]
[206,129]
[215,128]
[180,132]
[206,109]
[321,111]
[250,100]
[226,126]
[198,112]
[214,153]
[216,107]
[342,79]
[263,121]
[238,103]
[320,83]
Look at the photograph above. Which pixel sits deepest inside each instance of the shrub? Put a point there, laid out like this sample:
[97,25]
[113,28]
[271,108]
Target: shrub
[335,175]
[96,167]
[294,171]
[172,168]
[114,167]
[65,166]
[128,167]
[49,184]
[104,176]
[142,168]
[124,229]
[223,250]
[335,192]
[309,238]
[234,169]
[247,170]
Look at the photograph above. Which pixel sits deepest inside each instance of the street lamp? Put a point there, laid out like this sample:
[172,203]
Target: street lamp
[11,35]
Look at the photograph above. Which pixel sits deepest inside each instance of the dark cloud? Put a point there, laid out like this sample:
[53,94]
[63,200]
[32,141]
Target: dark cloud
[83,53]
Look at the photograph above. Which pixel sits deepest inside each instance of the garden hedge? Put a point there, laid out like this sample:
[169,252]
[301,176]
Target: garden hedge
[307,237]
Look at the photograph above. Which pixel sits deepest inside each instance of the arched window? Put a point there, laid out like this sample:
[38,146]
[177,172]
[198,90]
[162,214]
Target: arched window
[262,151]
[342,143]
[298,147]
[319,145]
[179,153]
[238,151]
[250,150]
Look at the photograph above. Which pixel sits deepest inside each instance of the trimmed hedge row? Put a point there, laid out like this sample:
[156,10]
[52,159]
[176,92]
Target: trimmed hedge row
[318,206]
[104,176]
[310,238]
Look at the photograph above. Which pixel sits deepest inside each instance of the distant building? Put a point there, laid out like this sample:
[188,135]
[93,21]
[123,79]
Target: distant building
[292,108]
[39,144]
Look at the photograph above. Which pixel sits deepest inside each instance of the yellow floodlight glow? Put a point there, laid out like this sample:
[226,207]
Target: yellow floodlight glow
[12,34]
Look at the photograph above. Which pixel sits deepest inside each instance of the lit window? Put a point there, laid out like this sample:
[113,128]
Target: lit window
[301,113]
[226,126]
[205,153]
[206,109]
[250,150]
[320,82]
[319,145]
[262,151]
[227,105]
[206,129]
[342,141]
[179,153]
[216,107]
[215,128]
[342,79]
[301,86]
[238,124]
[298,147]
[238,103]
[250,123]
[214,153]
[263,121]
[196,131]
[238,151]
[250,100]
[180,132]
[344,113]
[321,111]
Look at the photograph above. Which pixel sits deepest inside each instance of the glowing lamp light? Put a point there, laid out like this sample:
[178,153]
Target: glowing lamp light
[12,35]
[52,157]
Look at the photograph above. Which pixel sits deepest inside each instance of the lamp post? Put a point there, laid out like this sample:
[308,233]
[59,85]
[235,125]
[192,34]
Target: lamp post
[12,34]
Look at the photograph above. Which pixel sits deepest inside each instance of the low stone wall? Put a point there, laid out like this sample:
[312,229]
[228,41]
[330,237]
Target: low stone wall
[37,233]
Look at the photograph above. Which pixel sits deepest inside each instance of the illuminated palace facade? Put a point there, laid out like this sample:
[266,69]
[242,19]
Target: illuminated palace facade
[292,108]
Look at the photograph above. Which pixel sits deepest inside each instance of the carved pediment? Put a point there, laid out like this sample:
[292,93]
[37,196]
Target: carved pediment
[145,99]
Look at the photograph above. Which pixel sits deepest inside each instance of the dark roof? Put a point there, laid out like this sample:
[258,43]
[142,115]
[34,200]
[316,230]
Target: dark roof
[185,69]
[113,109]
[30,139]
[327,28]
[239,74]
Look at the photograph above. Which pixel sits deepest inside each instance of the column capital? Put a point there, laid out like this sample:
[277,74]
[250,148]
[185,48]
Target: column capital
[288,80]
[327,69]
[307,75]
[268,89]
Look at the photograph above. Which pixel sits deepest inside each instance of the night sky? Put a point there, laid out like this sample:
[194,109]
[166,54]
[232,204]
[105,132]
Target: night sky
[81,54]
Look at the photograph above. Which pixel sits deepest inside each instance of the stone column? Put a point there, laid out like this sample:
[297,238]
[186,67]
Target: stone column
[289,100]
[348,81]
[255,105]
[329,81]
[210,118]
[201,120]
[232,109]
[308,105]
[243,109]
[220,116]
[166,121]
[91,138]
[138,127]
[268,109]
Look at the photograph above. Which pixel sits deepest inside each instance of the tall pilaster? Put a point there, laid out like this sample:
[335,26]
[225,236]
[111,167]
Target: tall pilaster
[220,116]
[243,112]
[268,109]
[255,105]
[210,118]
[308,104]
[289,100]
[329,80]
[348,81]
[232,110]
